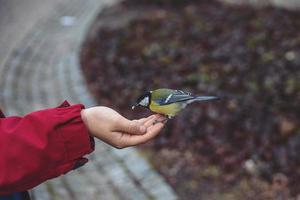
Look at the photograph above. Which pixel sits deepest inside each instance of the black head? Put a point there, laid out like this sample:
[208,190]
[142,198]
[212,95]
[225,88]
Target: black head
[144,100]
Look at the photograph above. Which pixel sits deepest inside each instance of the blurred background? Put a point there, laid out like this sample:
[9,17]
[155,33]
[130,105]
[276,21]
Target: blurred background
[247,145]
[104,52]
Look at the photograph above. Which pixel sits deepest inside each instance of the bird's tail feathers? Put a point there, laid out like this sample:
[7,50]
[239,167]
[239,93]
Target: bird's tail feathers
[203,98]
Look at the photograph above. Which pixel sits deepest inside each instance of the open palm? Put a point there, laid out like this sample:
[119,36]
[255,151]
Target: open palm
[109,126]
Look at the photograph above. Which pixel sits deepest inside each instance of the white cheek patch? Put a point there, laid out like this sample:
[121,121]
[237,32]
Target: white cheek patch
[145,101]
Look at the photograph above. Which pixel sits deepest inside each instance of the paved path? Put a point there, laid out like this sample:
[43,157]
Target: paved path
[39,69]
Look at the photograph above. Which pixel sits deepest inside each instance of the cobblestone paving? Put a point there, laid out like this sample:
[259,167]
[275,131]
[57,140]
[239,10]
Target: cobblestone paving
[41,71]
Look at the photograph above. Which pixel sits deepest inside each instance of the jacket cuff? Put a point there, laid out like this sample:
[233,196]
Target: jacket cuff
[76,138]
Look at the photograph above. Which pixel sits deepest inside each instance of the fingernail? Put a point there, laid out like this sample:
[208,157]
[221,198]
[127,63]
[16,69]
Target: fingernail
[142,129]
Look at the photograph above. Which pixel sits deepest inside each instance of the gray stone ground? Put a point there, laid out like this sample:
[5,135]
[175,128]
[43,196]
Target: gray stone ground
[39,44]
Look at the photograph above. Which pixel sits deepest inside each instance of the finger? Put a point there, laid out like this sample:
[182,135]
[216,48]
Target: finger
[162,119]
[151,133]
[141,121]
[144,120]
[130,127]
[152,120]
[151,117]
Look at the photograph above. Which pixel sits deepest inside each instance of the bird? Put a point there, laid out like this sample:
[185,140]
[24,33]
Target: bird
[167,101]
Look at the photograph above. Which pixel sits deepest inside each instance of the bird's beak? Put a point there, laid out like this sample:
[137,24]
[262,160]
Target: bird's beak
[135,105]
[207,98]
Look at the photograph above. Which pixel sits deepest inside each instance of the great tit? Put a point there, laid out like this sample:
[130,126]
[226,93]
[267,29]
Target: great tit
[168,101]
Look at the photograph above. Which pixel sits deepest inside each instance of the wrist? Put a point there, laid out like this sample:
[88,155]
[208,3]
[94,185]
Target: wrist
[84,117]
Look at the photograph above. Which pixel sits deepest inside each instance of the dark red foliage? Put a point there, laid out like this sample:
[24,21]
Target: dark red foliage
[170,3]
[249,57]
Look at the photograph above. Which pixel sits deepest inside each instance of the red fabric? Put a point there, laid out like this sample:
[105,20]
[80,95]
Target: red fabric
[40,146]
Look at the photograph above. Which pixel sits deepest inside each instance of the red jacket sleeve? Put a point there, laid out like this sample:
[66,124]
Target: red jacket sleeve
[40,146]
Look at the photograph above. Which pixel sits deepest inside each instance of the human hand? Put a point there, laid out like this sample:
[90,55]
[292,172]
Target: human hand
[109,126]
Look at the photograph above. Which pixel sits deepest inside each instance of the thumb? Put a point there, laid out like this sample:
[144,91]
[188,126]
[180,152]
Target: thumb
[131,127]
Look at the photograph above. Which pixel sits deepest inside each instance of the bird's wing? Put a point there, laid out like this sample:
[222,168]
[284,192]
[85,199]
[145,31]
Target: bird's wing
[175,96]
